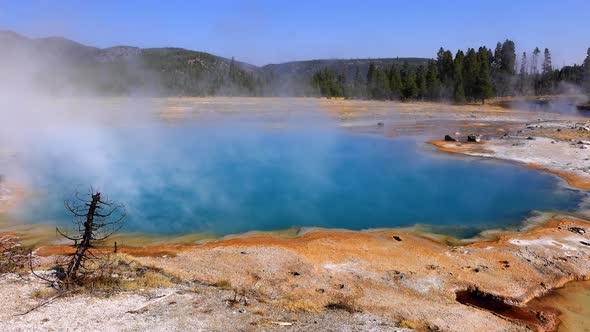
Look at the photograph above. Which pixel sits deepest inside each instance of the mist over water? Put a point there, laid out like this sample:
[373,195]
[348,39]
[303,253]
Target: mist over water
[231,171]
[233,178]
[564,105]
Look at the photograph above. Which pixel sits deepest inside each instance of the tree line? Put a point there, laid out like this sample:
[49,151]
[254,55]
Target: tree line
[471,76]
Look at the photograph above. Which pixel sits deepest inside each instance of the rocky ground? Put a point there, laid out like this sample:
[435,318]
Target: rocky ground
[559,147]
[179,308]
[329,280]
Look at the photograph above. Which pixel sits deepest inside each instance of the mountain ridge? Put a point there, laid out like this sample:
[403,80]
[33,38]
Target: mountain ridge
[184,71]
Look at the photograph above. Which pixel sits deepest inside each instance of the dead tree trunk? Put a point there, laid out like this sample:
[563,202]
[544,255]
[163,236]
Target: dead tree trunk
[96,219]
[74,265]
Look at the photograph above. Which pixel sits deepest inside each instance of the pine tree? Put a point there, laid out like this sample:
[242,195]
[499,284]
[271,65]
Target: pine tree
[586,71]
[497,74]
[508,64]
[470,74]
[535,70]
[547,67]
[421,82]
[358,84]
[497,65]
[371,80]
[410,90]
[546,73]
[503,68]
[535,61]
[328,84]
[395,81]
[432,81]
[484,85]
[446,74]
[523,79]
[439,61]
[381,89]
[459,91]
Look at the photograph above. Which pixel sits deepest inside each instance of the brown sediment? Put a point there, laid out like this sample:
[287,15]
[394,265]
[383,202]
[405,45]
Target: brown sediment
[460,147]
[545,318]
[386,270]
[400,268]
[572,179]
[573,302]
[168,250]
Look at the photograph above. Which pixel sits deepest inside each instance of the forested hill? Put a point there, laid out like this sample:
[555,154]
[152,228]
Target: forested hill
[65,66]
[62,66]
[292,78]
[346,66]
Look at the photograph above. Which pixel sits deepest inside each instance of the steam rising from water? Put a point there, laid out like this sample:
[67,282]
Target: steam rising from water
[228,170]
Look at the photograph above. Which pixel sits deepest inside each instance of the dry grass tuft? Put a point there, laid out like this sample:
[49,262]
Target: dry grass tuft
[119,272]
[300,305]
[223,284]
[152,279]
[13,257]
[414,325]
[43,293]
[259,313]
[346,303]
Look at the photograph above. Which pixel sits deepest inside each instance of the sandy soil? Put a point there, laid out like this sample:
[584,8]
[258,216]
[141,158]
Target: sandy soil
[386,278]
[198,308]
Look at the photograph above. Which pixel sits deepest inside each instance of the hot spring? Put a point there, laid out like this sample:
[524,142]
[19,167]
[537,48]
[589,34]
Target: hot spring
[185,178]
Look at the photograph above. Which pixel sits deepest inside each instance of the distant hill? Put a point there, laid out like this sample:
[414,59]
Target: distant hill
[63,65]
[345,66]
[292,78]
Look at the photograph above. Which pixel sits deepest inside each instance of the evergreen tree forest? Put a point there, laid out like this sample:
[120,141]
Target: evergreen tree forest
[471,76]
[462,76]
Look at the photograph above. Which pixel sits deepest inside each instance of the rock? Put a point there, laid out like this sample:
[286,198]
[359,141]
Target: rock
[58,272]
[530,138]
[578,230]
[474,138]
[448,138]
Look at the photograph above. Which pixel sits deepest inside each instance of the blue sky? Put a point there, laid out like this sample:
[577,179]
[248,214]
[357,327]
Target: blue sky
[262,32]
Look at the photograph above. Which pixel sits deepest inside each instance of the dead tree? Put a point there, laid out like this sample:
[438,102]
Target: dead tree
[96,219]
